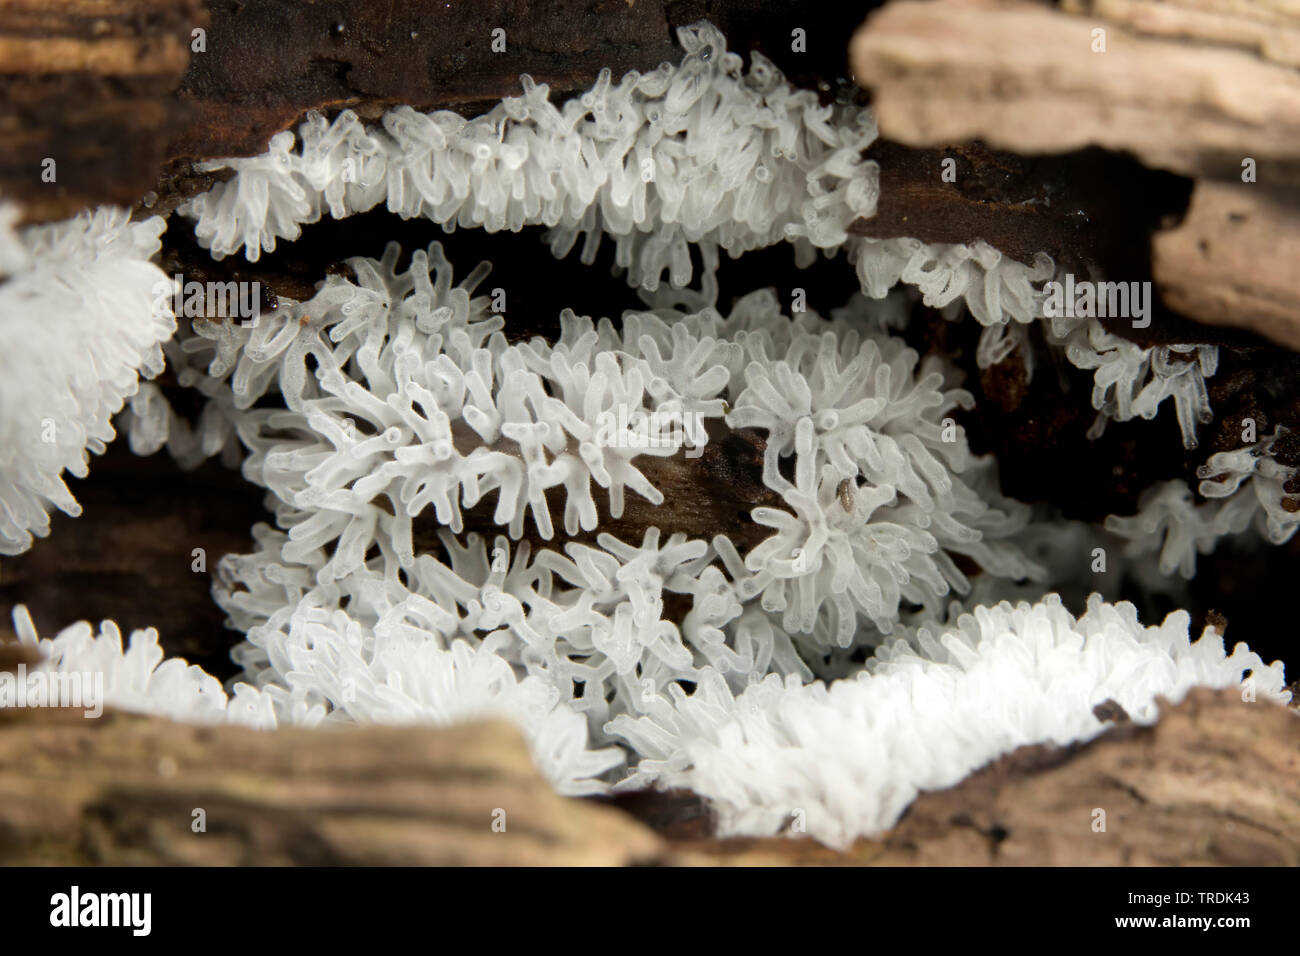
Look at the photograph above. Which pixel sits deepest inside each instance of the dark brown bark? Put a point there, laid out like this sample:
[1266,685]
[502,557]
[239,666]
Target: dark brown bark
[131,556]
[89,86]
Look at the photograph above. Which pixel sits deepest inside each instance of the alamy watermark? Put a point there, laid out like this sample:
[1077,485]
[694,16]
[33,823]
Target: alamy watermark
[74,908]
[45,688]
[1086,300]
[631,427]
[208,300]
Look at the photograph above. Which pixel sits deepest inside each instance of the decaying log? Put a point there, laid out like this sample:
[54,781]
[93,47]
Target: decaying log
[1088,210]
[271,61]
[1216,782]
[114,92]
[1233,260]
[127,790]
[1024,77]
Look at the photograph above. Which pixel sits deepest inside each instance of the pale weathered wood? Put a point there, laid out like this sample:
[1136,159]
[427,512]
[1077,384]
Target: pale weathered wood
[1233,260]
[123,790]
[1270,28]
[1026,77]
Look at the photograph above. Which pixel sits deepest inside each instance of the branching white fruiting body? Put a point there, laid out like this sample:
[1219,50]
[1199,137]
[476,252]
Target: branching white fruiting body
[1245,489]
[702,154]
[932,707]
[415,407]
[403,402]
[699,153]
[78,328]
